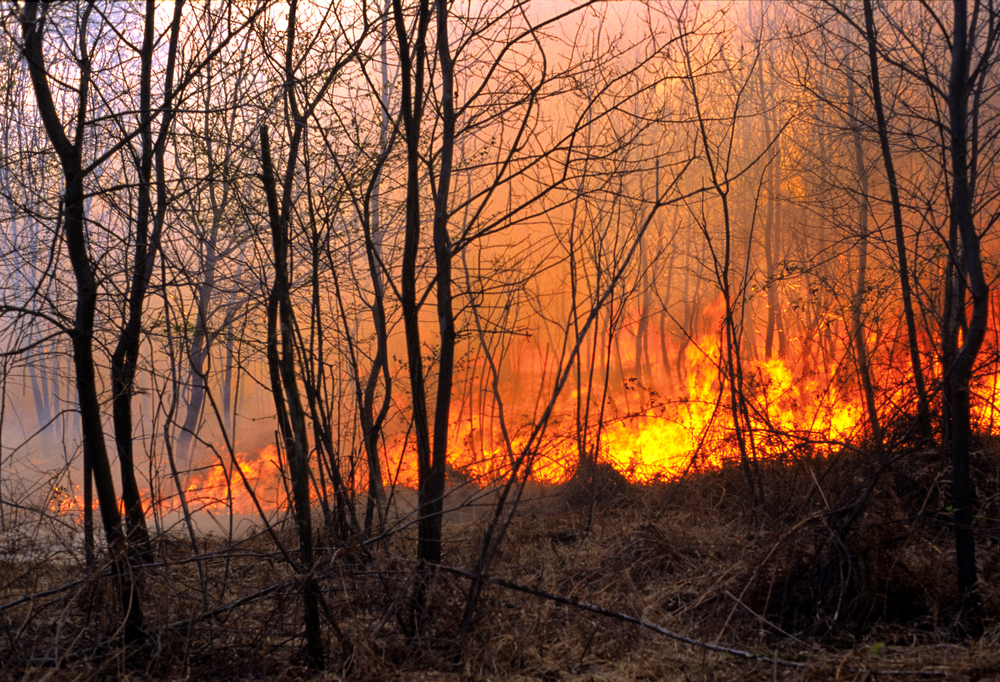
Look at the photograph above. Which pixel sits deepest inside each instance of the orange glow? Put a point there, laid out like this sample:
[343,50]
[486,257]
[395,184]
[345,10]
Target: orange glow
[65,501]
[672,420]
[661,438]
[220,487]
[215,489]
[797,407]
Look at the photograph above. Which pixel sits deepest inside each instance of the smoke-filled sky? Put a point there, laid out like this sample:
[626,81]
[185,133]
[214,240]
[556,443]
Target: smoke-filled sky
[658,226]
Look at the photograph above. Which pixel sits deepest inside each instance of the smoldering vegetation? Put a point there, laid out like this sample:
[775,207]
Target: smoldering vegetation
[846,566]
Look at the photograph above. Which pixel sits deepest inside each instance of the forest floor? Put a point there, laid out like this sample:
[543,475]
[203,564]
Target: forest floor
[843,571]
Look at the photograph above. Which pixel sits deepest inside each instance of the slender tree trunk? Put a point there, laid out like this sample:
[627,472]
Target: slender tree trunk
[732,364]
[371,423]
[282,367]
[958,375]
[770,248]
[88,512]
[443,264]
[74,230]
[923,405]
[126,354]
[861,278]
[412,74]
[642,329]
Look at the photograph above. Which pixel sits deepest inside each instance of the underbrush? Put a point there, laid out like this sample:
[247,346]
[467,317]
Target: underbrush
[844,569]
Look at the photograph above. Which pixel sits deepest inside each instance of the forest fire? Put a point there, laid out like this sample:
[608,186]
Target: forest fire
[677,430]
[256,485]
[64,500]
[250,483]
[795,410]
[256,257]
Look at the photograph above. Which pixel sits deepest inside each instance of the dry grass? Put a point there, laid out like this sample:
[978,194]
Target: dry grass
[807,576]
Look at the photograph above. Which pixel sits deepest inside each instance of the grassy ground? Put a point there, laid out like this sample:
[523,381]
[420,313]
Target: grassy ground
[822,585]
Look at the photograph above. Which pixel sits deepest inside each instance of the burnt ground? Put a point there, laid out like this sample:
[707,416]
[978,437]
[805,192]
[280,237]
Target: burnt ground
[598,579]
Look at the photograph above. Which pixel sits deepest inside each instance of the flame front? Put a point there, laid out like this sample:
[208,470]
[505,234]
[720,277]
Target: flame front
[243,484]
[673,421]
[792,410]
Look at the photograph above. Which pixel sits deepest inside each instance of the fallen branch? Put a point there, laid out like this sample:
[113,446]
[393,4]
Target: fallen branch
[46,593]
[231,605]
[618,615]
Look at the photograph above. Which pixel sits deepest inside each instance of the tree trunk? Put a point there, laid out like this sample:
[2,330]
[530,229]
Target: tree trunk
[126,354]
[74,230]
[412,69]
[371,422]
[859,341]
[443,265]
[282,363]
[958,375]
[770,238]
[923,405]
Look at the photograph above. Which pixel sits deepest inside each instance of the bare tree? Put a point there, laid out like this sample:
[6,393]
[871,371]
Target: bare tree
[147,244]
[71,158]
[923,407]
[966,87]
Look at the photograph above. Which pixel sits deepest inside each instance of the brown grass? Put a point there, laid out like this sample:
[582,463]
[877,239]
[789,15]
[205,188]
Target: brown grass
[788,579]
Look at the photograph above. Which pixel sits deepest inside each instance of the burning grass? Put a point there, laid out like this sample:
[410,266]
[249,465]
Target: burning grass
[844,569]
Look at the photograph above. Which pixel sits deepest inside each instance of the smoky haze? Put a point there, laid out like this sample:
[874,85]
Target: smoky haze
[264,258]
[624,178]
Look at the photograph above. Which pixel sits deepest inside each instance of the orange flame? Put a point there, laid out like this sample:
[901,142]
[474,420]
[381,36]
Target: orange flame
[255,479]
[654,428]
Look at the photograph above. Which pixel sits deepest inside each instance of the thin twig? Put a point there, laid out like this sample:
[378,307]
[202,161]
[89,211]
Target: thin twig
[740,653]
